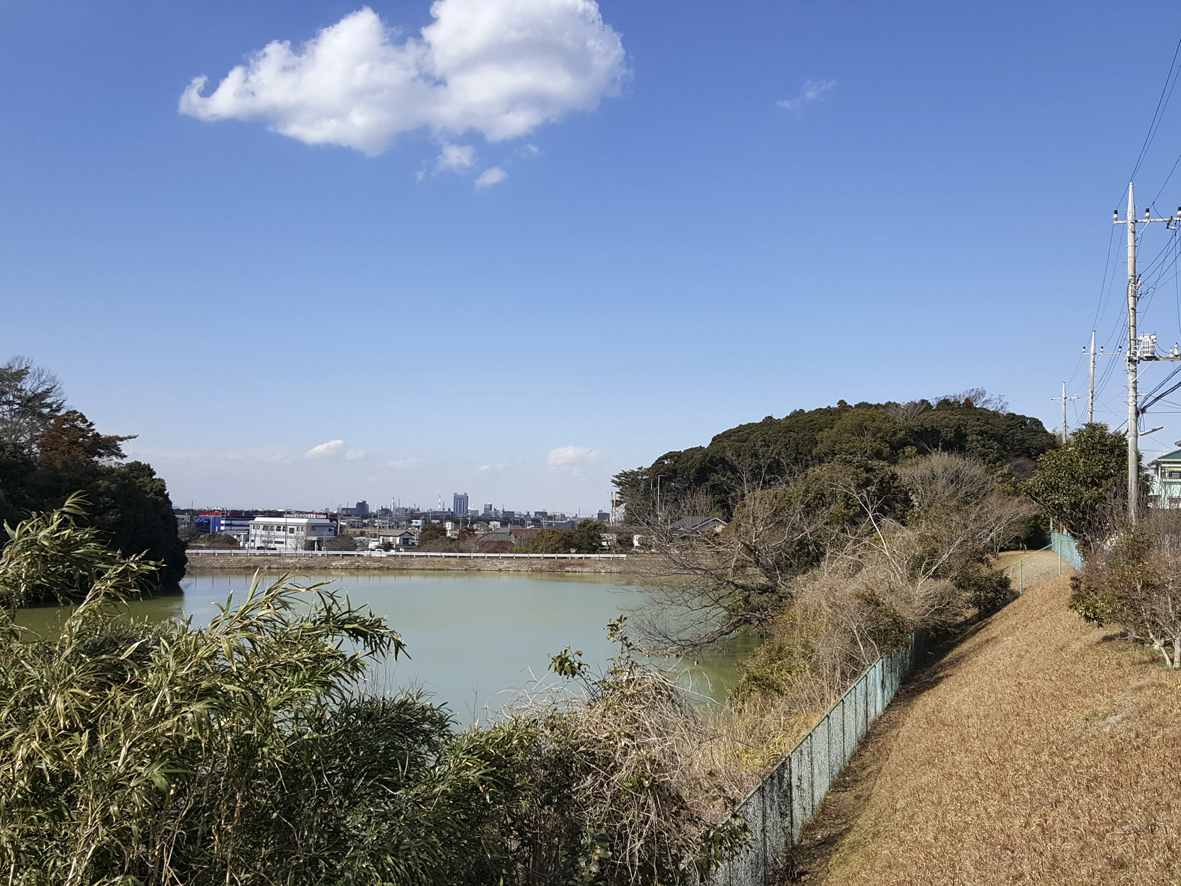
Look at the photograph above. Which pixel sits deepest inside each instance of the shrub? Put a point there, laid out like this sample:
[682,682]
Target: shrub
[1135,582]
[245,751]
[988,590]
[773,669]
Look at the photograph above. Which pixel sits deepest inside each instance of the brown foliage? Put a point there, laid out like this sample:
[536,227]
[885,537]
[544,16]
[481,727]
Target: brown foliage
[72,437]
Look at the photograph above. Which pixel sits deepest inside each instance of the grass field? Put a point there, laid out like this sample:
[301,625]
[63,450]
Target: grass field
[1039,750]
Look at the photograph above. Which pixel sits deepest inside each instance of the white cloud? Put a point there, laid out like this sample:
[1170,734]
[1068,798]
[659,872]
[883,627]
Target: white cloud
[455,158]
[335,449]
[492,470]
[331,449]
[493,176]
[813,91]
[532,150]
[500,67]
[569,456]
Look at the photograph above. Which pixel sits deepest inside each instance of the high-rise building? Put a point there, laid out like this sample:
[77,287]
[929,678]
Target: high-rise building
[488,509]
[459,504]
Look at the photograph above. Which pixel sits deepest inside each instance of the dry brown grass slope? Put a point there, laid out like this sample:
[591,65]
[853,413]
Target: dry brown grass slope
[1038,750]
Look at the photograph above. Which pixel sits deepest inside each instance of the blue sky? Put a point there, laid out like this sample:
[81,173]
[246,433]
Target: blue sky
[531,246]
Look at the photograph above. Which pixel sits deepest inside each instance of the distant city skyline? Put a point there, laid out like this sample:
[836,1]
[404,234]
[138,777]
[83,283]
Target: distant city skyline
[669,221]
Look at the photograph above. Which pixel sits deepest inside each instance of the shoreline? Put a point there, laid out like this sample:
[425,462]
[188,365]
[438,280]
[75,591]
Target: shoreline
[206,565]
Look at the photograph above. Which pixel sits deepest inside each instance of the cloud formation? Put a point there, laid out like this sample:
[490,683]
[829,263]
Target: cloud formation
[813,91]
[334,449]
[493,176]
[331,449]
[570,456]
[455,158]
[500,67]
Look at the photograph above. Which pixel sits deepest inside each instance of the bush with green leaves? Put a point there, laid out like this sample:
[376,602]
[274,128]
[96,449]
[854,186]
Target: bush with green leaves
[246,751]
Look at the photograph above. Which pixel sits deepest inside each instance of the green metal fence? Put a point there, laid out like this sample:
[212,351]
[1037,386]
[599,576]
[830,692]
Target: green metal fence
[1066,548]
[778,809]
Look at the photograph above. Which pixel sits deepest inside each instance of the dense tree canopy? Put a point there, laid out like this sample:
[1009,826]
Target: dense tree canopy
[1078,484]
[48,453]
[773,451]
[585,538]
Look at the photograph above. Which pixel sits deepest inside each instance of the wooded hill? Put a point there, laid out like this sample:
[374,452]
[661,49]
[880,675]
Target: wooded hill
[773,450]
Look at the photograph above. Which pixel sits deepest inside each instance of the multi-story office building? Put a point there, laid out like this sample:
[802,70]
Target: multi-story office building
[459,504]
[290,533]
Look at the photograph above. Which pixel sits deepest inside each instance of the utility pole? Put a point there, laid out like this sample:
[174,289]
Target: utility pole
[1064,400]
[1091,387]
[1140,348]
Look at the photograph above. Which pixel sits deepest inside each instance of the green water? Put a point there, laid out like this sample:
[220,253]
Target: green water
[474,639]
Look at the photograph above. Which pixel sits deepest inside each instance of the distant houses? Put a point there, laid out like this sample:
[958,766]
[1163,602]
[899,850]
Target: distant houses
[398,528]
[696,526]
[1165,480]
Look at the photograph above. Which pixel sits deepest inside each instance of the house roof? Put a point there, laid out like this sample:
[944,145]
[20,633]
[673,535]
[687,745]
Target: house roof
[696,524]
[1175,455]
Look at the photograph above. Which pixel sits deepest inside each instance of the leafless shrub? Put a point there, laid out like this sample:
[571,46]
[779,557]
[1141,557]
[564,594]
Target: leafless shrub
[885,578]
[908,411]
[624,762]
[959,508]
[30,398]
[1135,581]
[978,397]
[703,587]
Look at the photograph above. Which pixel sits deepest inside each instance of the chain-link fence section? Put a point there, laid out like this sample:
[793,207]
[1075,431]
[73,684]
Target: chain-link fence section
[1066,548]
[778,808]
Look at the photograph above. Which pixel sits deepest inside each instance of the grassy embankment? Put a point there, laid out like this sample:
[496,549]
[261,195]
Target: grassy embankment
[1038,750]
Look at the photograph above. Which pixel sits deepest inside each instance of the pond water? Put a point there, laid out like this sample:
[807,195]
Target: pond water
[473,638]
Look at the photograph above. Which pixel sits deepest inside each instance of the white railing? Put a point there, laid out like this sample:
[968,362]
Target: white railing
[457,555]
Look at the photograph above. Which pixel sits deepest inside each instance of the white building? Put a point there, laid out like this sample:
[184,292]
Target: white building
[290,533]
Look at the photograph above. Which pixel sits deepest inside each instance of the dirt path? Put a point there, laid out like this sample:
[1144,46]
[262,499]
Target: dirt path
[1038,750]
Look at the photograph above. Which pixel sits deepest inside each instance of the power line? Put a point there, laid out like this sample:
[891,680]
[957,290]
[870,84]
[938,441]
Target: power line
[1103,288]
[1161,103]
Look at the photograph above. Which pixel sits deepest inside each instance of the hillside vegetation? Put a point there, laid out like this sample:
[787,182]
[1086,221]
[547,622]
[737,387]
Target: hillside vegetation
[774,451]
[1041,749]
